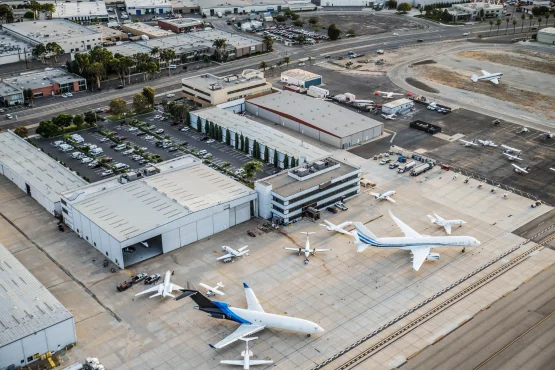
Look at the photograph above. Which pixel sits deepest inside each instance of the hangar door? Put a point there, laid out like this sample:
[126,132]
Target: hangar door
[242,213]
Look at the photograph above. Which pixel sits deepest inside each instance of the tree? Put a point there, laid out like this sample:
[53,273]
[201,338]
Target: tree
[47,129]
[83,61]
[539,22]
[62,120]
[287,60]
[276,159]
[180,113]
[29,15]
[547,15]
[531,18]
[247,145]
[97,71]
[254,152]
[310,60]
[293,162]
[242,147]
[251,168]
[280,18]
[313,20]
[118,106]
[266,154]
[286,162]
[53,48]
[168,56]
[333,32]
[514,25]
[507,27]
[404,7]
[90,117]
[391,4]
[148,93]
[21,131]
[227,137]
[220,52]
[100,55]
[48,8]
[298,23]
[236,141]
[490,26]
[482,13]
[269,42]
[263,65]
[39,51]
[78,120]
[498,23]
[351,32]
[295,16]
[523,17]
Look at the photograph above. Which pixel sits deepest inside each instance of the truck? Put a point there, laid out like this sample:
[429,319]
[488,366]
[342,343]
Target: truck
[317,92]
[219,14]
[407,166]
[421,169]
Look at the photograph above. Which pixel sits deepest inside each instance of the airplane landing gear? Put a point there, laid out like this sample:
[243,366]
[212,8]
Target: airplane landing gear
[308,335]
[464,249]
[306,261]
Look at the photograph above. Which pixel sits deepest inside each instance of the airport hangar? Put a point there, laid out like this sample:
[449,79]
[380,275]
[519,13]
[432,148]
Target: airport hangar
[321,120]
[140,215]
[34,172]
[32,321]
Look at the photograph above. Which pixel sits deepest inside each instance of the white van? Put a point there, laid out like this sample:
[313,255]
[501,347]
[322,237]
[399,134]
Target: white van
[120,147]
[96,152]
[121,166]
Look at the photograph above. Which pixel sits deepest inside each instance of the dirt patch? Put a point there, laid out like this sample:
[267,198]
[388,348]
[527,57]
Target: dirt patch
[421,85]
[424,62]
[532,64]
[534,54]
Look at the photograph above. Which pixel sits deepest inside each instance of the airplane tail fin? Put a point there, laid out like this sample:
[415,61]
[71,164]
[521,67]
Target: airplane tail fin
[367,235]
[474,78]
[245,339]
[196,296]
[361,246]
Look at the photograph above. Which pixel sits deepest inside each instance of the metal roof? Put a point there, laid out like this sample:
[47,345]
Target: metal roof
[26,306]
[37,79]
[79,9]
[549,30]
[53,30]
[398,102]
[300,74]
[36,168]
[139,28]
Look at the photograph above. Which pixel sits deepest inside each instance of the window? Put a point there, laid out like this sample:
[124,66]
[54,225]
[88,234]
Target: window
[94,244]
[77,230]
[64,202]
[106,254]
[246,88]
[65,211]
[86,237]
[29,359]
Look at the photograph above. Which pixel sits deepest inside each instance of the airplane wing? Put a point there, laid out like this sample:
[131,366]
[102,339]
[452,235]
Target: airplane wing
[234,362]
[485,73]
[292,249]
[321,250]
[447,229]
[225,256]
[390,199]
[252,301]
[495,81]
[419,255]
[175,287]
[243,248]
[149,290]
[242,331]
[260,362]
[407,230]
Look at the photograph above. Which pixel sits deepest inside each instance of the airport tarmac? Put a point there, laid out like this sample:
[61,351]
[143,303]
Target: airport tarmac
[349,294]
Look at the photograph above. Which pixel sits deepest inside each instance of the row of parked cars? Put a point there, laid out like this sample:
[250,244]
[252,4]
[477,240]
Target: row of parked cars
[143,276]
[290,32]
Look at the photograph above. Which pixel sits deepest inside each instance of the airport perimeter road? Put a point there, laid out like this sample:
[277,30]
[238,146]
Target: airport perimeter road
[516,332]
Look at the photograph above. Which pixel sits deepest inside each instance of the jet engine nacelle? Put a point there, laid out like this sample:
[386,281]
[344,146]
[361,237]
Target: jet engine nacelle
[432,256]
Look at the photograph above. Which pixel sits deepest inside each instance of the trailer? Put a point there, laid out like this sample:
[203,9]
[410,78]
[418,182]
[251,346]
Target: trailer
[406,167]
[421,169]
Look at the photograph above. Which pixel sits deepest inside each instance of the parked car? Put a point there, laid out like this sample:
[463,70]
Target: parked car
[94,164]
[203,152]
[107,173]
[123,286]
[184,129]
[172,149]
[341,206]
[151,127]
[152,279]
[120,147]
[86,160]
[104,139]
[149,137]
[385,161]
[128,151]
[159,131]
[251,234]
[141,133]
[107,159]
[139,277]
[210,141]
[332,209]
[170,95]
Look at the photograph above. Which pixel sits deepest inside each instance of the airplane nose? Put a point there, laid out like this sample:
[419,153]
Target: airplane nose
[319,329]
[477,242]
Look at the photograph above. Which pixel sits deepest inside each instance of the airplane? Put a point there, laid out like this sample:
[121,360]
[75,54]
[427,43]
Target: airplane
[338,228]
[252,319]
[164,289]
[468,143]
[548,135]
[389,116]
[513,157]
[385,94]
[210,291]
[523,130]
[445,223]
[510,150]
[419,245]
[552,169]
[307,251]
[247,354]
[232,253]
[387,196]
[520,169]
[361,103]
[493,77]
[487,143]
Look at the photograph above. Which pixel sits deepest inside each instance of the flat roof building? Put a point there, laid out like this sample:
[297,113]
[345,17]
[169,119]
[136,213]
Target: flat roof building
[324,121]
[140,29]
[547,36]
[471,11]
[184,6]
[238,45]
[32,321]
[208,89]
[34,172]
[48,82]
[129,48]
[14,49]
[399,106]
[157,211]
[187,48]
[140,7]
[80,11]
[286,197]
[212,7]
[109,34]
[300,77]
[10,95]
[181,25]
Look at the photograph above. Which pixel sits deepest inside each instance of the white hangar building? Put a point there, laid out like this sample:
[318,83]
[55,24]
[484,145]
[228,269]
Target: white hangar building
[34,172]
[138,216]
[32,320]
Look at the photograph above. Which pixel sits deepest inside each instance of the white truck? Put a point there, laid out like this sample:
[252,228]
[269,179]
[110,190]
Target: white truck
[407,166]
[421,169]
[219,14]
[317,92]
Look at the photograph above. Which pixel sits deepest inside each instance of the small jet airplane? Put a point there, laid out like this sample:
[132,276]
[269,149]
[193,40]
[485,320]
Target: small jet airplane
[387,195]
[419,245]
[386,94]
[247,354]
[337,228]
[446,224]
[163,289]
[510,149]
[520,169]
[493,77]
[512,157]
[487,143]
[389,116]
[468,143]
[307,251]
[210,291]
[252,319]
[523,130]
[232,253]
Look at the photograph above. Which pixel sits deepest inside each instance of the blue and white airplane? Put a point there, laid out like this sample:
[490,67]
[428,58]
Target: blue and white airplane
[252,319]
[419,245]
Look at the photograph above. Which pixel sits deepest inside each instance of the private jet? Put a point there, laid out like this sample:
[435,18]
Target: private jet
[386,94]
[247,354]
[385,196]
[252,319]
[446,224]
[232,253]
[468,143]
[510,149]
[164,289]
[307,251]
[337,228]
[520,169]
[493,77]
[512,157]
[419,245]
[210,291]
[487,143]
[389,116]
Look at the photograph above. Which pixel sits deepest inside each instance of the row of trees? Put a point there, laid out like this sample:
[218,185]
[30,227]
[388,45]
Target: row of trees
[498,22]
[61,123]
[142,102]
[51,48]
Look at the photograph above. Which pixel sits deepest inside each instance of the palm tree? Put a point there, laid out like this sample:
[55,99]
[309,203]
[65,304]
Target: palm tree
[539,22]
[151,68]
[220,45]
[546,15]
[263,65]
[498,23]
[269,42]
[490,26]
[523,17]
[127,63]
[48,8]
[96,70]
[506,28]
[287,60]
[155,52]
[531,18]
[35,7]
[168,55]
[39,51]
[514,25]
[310,60]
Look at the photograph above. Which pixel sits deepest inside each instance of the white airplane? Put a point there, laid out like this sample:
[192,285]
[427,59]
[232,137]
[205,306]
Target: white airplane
[419,245]
[307,251]
[523,130]
[247,354]
[487,143]
[386,94]
[252,319]
[493,77]
[513,157]
[232,253]
[210,291]
[552,169]
[446,224]
[387,195]
[337,228]
[389,116]
[361,103]
[468,143]
[510,149]
[520,169]
[163,289]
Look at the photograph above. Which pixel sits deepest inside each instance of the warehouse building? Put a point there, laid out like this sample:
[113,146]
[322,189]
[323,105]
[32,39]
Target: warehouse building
[140,7]
[157,210]
[81,11]
[32,321]
[181,25]
[108,34]
[213,7]
[10,95]
[187,48]
[318,119]
[143,29]
[547,36]
[302,78]
[287,196]
[399,106]
[184,6]
[48,83]
[34,172]
[280,145]
[238,45]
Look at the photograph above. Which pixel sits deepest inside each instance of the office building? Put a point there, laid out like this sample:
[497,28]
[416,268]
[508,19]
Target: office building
[47,83]
[109,35]
[399,106]
[140,7]
[213,7]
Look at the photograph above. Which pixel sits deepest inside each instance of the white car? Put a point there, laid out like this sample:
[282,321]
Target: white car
[132,129]
[395,34]
[210,141]
[93,164]
[64,95]
[123,16]
[301,64]
[170,96]
[107,173]
[203,152]
[104,139]
[144,148]
[239,171]
[86,160]
[184,129]
[149,137]
[9,116]
[159,131]
[127,152]
[466,33]
[207,155]
[69,94]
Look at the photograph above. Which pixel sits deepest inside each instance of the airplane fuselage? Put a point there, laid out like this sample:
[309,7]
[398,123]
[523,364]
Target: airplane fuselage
[491,76]
[407,243]
[449,222]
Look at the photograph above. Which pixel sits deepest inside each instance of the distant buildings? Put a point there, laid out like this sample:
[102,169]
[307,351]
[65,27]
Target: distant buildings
[143,29]
[81,11]
[140,7]
[109,34]
[470,11]
[213,7]
[181,25]
[300,77]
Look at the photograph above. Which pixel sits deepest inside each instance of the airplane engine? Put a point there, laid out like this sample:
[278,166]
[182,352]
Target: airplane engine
[433,256]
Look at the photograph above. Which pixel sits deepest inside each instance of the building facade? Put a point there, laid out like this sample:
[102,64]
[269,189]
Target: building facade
[547,36]
[299,77]
[10,95]
[140,7]
[181,25]
[399,106]
[48,83]
[81,11]
[213,7]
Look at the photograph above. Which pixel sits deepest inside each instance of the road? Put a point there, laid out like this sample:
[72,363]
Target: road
[509,335]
